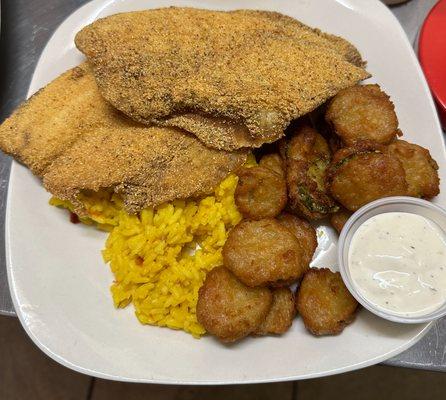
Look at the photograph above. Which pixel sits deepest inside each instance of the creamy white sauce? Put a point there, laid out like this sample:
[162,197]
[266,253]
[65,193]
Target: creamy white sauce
[398,262]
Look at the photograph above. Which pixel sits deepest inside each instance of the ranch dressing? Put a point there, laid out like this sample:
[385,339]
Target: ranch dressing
[398,262]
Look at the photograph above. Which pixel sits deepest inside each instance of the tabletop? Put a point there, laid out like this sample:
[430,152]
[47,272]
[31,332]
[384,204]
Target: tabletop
[26,27]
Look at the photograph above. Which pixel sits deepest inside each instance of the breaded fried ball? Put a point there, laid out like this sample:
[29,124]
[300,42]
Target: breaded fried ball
[324,303]
[363,112]
[307,160]
[260,193]
[339,218]
[421,169]
[305,233]
[281,314]
[262,253]
[228,309]
[363,173]
[274,162]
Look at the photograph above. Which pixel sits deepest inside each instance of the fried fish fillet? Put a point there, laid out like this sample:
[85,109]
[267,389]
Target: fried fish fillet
[69,136]
[234,79]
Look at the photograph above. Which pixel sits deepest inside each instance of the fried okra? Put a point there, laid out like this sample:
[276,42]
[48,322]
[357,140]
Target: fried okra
[363,173]
[281,314]
[274,162]
[228,309]
[264,252]
[260,193]
[307,159]
[363,112]
[421,169]
[305,233]
[339,218]
[324,303]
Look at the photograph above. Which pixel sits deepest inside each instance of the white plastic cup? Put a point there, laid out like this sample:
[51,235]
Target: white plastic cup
[388,204]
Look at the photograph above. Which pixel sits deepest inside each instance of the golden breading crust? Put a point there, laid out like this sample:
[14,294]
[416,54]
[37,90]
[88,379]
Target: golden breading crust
[421,169]
[51,120]
[305,233]
[228,309]
[260,193]
[234,79]
[274,162]
[339,218]
[307,159]
[68,135]
[281,315]
[263,253]
[363,112]
[363,173]
[324,303]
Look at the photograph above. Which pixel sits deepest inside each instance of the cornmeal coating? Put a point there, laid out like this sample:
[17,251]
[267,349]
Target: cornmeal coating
[233,78]
[69,136]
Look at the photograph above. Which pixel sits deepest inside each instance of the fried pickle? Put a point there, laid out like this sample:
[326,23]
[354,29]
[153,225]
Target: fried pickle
[228,309]
[363,173]
[263,253]
[307,158]
[281,314]
[339,218]
[363,112]
[421,169]
[260,192]
[274,162]
[324,303]
[305,233]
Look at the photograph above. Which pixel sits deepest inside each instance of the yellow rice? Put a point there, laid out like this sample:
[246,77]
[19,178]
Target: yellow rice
[160,256]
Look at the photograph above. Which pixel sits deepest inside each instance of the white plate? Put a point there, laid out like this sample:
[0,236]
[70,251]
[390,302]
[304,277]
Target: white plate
[60,286]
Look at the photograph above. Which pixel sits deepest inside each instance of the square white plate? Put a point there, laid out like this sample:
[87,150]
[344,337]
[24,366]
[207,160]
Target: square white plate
[60,285]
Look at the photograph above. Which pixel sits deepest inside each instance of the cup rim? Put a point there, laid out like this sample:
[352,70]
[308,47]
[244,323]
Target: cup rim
[438,313]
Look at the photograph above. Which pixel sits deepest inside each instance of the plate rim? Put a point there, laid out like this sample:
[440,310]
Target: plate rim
[95,5]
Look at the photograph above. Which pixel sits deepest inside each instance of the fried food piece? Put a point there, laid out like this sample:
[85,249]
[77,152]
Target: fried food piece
[339,218]
[335,143]
[363,112]
[228,309]
[305,233]
[307,160]
[363,173]
[274,162]
[260,193]
[69,136]
[270,68]
[421,169]
[324,303]
[281,314]
[262,253]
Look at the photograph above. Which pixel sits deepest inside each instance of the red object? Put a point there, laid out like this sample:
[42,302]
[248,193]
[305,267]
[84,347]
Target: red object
[74,219]
[432,54]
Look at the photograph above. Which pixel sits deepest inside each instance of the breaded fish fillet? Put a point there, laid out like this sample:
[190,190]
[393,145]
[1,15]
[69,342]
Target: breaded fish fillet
[68,135]
[234,79]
